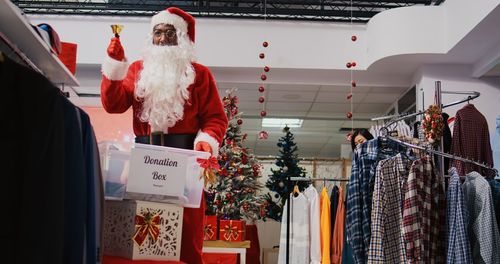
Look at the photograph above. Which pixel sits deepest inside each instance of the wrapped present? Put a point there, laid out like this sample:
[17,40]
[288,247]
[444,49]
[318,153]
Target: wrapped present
[142,230]
[210,229]
[232,230]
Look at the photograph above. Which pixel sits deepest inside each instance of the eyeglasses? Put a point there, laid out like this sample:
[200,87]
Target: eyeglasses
[169,33]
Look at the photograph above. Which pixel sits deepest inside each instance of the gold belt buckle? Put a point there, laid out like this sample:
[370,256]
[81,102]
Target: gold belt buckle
[162,142]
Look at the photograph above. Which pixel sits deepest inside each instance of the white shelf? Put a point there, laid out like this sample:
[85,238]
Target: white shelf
[19,31]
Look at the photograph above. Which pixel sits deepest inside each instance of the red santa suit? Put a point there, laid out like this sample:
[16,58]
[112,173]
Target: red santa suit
[203,112]
[203,116]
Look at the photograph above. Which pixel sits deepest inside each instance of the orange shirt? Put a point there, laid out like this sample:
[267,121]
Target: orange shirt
[325,226]
[338,231]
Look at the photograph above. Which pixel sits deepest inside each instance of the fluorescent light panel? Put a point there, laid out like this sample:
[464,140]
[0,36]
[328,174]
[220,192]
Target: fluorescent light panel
[282,122]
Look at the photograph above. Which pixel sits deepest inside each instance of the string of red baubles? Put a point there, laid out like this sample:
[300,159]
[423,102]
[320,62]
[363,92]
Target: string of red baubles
[263,134]
[351,65]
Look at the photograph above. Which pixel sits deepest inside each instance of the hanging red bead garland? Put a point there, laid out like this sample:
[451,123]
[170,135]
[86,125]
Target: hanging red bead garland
[350,65]
[263,134]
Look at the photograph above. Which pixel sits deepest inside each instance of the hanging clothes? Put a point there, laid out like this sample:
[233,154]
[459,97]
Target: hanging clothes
[325,226]
[446,139]
[458,250]
[387,241]
[58,181]
[471,139]
[338,233]
[424,214]
[484,236]
[314,224]
[347,253]
[358,210]
[299,231]
[496,145]
[334,201]
[495,194]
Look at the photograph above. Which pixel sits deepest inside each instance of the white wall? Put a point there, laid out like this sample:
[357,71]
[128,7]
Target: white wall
[458,78]
[224,42]
[293,45]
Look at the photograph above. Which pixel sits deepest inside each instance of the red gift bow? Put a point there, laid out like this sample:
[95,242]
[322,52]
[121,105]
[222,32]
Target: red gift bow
[209,233]
[146,225]
[231,232]
[209,165]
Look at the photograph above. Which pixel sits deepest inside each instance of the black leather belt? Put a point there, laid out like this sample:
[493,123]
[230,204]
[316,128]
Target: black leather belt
[184,141]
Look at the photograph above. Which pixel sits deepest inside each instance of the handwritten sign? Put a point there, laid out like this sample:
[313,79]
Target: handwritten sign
[157,171]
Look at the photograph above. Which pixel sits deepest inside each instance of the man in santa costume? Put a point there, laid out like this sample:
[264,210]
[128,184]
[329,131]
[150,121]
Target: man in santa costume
[175,101]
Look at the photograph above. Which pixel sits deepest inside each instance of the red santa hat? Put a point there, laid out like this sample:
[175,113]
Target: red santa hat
[176,17]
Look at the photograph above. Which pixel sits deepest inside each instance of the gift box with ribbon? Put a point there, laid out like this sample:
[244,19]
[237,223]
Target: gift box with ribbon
[142,230]
[232,230]
[210,229]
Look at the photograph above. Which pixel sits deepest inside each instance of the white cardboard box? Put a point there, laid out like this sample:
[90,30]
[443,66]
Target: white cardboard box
[164,174]
[120,227]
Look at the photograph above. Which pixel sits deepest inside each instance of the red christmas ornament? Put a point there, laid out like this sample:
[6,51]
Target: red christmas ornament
[353,64]
[348,137]
[239,122]
[354,38]
[349,115]
[266,69]
[263,77]
[263,135]
[265,44]
[349,96]
[348,65]
[262,55]
[228,196]
[353,83]
[261,89]
[245,206]
[263,113]
[261,99]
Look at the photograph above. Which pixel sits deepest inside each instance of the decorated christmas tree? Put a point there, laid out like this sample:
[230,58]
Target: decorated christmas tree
[288,164]
[234,194]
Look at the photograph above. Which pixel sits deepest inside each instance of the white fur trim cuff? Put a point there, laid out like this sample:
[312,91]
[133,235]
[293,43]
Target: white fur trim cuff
[165,17]
[114,70]
[202,136]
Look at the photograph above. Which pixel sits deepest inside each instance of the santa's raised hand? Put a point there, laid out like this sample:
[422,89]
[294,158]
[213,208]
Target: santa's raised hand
[115,50]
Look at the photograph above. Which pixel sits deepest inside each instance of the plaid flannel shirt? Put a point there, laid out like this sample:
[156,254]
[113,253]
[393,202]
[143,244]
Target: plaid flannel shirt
[484,236]
[360,189]
[471,139]
[387,243]
[424,214]
[456,223]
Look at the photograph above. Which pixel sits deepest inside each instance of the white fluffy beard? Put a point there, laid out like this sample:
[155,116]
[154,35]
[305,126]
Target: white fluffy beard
[163,83]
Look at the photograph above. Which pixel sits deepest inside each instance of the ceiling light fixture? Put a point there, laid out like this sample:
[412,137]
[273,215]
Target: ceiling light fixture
[282,122]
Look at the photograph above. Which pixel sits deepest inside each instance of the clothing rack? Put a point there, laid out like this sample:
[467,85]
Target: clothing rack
[472,95]
[443,154]
[296,179]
